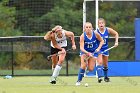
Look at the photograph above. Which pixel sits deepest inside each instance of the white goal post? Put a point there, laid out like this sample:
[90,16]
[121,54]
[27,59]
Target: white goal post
[97,11]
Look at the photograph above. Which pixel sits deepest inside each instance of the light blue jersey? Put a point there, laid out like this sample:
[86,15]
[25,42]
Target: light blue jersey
[105,36]
[90,44]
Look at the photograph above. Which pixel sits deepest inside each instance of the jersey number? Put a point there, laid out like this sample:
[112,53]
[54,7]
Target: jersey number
[90,45]
[104,41]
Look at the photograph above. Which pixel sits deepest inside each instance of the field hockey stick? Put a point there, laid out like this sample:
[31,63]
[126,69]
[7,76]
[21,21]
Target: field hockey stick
[107,49]
[56,54]
[88,58]
[100,52]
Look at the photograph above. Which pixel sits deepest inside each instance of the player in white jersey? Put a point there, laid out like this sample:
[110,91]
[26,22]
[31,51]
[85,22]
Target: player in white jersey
[58,37]
[103,58]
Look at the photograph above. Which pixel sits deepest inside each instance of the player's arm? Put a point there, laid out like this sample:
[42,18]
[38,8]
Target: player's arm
[115,34]
[71,35]
[101,41]
[82,44]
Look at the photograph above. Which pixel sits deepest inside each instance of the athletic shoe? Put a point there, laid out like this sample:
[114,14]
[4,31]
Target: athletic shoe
[99,80]
[106,79]
[53,80]
[78,83]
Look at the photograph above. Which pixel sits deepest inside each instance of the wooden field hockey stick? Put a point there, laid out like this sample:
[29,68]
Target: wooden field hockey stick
[56,54]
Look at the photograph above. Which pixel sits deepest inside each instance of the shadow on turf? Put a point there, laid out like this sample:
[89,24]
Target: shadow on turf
[62,82]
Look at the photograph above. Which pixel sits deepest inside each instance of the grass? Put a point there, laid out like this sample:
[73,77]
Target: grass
[40,84]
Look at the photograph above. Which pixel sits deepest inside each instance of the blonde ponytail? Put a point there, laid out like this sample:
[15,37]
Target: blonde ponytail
[48,35]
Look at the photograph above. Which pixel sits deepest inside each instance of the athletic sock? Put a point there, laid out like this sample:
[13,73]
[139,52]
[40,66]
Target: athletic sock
[81,74]
[99,71]
[105,69]
[56,71]
[53,69]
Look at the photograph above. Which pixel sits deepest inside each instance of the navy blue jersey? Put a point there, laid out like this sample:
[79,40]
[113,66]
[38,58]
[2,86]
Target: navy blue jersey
[90,44]
[105,36]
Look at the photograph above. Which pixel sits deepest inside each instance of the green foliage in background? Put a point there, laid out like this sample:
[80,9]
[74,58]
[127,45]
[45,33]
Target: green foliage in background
[7,20]
[120,16]
[67,13]
[25,17]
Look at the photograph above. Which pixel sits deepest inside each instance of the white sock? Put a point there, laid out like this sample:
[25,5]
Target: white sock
[53,69]
[56,70]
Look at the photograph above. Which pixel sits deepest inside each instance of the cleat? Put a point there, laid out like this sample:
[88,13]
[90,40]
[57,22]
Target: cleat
[53,80]
[99,80]
[78,83]
[106,79]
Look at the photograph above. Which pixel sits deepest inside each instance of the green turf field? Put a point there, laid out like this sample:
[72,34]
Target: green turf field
[40,84]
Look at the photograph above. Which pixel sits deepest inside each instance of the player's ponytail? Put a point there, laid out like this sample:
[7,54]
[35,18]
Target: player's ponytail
[48,35]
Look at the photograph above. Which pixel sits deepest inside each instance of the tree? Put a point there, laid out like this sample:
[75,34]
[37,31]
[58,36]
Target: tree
[7,20]
[67,13]
[28,13]
[120,16]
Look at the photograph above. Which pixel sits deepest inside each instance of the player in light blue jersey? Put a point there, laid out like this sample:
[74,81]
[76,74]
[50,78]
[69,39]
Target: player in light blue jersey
[88,46]
[103,58]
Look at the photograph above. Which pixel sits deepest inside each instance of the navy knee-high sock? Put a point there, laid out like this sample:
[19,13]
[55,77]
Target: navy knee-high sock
[81,74]
[105,69]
